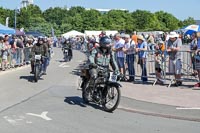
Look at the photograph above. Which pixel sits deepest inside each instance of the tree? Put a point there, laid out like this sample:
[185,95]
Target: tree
[30,15]
[145,20]
[91,20]
[188,21]
[168,21]
[4,13]
[55,15]
[115,20]
[65,27]
[78,18]
[76,10]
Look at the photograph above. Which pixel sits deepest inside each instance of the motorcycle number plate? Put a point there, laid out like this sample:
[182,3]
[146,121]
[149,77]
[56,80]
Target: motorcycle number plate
[66,51]
[113,78]
[38,57]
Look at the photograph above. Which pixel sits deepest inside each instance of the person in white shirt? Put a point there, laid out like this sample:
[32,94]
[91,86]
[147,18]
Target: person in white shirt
[118,48]
[197,58]
[129,50]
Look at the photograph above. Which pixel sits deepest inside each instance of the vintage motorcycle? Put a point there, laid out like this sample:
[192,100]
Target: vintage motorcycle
[67,52]
[105,90]
[37,67]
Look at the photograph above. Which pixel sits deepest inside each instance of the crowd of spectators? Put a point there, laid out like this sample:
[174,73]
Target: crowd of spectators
[131,49]
[15,51]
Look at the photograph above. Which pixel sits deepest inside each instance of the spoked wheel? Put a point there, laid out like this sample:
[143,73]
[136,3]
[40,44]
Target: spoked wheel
[112,98]
[36,74]
[86,94]
[70,57]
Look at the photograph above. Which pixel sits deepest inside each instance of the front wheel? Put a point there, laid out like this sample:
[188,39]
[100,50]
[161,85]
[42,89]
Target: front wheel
[86,93]
[112,98]
[36,73]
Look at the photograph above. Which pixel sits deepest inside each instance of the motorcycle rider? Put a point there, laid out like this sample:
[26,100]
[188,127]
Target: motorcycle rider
[67,45]
[102,56]
[37,49]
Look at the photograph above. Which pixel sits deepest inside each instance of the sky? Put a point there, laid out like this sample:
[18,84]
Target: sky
[181,9]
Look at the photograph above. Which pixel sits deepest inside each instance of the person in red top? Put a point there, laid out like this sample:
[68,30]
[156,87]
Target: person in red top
[103,34]
[134,37]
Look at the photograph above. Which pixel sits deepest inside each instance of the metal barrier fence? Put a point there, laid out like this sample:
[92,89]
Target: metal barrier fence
[14,57]
[186,62]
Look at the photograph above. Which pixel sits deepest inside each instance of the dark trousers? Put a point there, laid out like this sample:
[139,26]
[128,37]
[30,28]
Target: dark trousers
[131,68]
[142,63]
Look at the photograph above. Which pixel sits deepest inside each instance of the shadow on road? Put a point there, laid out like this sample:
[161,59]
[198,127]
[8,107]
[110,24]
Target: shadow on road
[75,72]
[75,100]
[196,89]
[29,78]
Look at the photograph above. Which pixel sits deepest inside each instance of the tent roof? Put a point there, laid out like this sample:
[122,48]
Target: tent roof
[73,33]
[6,30]
[96,33]
[19,33]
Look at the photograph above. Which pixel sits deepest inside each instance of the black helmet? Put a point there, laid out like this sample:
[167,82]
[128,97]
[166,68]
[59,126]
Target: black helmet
[105,42]
[40,38]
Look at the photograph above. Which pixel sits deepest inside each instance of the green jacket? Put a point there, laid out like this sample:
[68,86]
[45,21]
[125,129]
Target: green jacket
[39,49]
[104,60]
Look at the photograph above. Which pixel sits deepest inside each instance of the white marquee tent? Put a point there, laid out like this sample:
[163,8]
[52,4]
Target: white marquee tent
[73,33]
[96,33]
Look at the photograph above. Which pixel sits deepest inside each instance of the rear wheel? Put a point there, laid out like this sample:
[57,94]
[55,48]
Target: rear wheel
[112,98]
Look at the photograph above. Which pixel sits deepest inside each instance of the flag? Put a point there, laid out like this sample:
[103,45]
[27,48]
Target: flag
[52,32]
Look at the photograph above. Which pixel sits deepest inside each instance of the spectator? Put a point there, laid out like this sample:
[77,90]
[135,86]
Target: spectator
[134,37]
[19,44]
[5,54]
[159,59]
[197,59]
[13,51]
[129,50]
[1,48]
[27,50]
[193,48]
[142,55]
[7,43]
[173,48]
[103,34]
[118,48]
[150,42]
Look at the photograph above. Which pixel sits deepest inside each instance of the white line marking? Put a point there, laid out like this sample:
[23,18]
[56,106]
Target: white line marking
[182,108]
[11,121]
[43,115]
[63,65]
[29,122]
[79,61]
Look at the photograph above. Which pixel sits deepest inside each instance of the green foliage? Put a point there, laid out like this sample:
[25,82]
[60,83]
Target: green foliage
[55,15]
[78,18]
[188,21]
[91,20]
[145,21]
[168,21]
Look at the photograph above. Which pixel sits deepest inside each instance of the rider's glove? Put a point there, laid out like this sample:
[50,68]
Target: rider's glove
[116,72]
[93,65]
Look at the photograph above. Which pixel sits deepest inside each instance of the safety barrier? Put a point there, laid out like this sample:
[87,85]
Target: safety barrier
[187,67]
[14,57]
